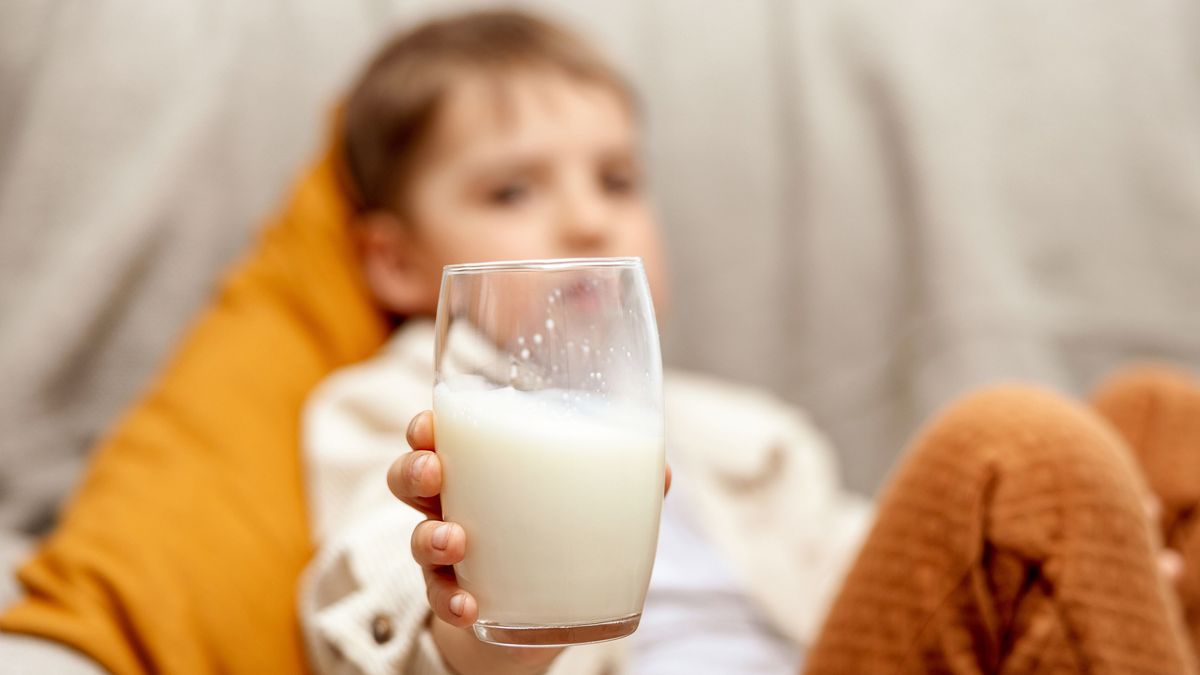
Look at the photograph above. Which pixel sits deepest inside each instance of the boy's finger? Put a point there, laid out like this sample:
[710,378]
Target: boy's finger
[416,479]
[1171,564]
[420,431]
[667,487]
[437,544]
[416,474]
[449,602]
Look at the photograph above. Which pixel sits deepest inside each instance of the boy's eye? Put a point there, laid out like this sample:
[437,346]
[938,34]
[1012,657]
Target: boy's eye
[618,182]
[507,195]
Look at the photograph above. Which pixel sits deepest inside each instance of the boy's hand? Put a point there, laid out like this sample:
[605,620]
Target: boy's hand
[416,479]
[1170,562]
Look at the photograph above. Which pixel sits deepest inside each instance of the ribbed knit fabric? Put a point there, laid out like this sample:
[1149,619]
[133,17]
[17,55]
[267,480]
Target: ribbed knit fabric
[1012,539]
[1157,410]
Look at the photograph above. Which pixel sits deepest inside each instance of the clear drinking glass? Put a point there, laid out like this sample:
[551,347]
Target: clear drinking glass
[549,424]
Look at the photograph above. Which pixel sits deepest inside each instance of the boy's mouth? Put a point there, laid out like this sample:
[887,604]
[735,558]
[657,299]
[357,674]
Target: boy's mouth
[582,295]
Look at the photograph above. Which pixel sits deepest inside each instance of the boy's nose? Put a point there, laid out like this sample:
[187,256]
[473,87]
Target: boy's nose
[584,223]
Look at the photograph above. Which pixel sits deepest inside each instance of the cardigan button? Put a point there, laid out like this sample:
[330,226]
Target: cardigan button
[381,628]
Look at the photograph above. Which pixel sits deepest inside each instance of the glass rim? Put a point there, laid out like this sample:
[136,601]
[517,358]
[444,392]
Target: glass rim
[548,264]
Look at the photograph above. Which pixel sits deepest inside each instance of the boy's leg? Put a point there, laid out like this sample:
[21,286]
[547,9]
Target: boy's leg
[1157,411]
[1012,539]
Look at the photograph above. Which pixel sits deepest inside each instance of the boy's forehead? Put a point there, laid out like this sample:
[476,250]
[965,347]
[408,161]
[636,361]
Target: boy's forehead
[512,108]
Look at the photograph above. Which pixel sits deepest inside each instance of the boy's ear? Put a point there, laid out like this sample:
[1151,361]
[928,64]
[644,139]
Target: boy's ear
[394,265]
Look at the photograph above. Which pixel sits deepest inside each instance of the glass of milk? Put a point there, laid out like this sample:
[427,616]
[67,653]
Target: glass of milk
[549,425]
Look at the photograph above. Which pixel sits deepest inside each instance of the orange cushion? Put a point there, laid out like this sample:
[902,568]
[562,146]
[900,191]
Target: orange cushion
[180,552]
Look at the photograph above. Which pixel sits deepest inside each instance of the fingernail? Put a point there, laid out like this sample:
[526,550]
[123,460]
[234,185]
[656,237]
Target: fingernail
[441,537]
[457,601]
[418,466]
[1171,564]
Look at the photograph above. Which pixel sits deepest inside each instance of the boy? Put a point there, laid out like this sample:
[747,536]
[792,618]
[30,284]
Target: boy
[499,136]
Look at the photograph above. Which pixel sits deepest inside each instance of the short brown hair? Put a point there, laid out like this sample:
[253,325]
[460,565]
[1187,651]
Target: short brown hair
[397,98]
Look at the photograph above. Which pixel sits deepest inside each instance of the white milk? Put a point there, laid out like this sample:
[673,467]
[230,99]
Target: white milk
[560,507]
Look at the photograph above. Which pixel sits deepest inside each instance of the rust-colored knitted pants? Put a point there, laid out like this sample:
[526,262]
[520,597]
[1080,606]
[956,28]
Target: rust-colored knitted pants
[1013,539]
[1157,411]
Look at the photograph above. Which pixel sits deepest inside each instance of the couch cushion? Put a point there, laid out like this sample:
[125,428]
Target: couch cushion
[180,551]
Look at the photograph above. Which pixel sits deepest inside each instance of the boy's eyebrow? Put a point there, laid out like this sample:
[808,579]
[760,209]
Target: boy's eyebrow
[528,161]
[524,164]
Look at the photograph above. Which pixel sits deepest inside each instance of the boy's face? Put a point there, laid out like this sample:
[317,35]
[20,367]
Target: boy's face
[546,168]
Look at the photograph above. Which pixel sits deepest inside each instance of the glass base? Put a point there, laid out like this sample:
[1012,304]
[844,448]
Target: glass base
[556,636]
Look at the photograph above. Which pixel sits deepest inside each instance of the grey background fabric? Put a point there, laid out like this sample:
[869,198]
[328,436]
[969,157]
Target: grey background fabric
[870,206]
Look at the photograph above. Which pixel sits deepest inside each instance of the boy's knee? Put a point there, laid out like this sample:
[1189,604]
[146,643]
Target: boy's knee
[1129,396]
[1017,418]
[1037,463]
[1143,399]
[1156,409]
[1014,432]
[1141,382]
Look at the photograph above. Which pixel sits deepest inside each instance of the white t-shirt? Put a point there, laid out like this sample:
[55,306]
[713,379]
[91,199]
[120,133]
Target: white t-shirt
[697,619]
